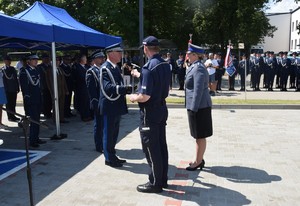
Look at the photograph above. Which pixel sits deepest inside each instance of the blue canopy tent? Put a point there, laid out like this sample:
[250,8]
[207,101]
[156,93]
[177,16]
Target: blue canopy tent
[17,32]
[55,25]
[65,28]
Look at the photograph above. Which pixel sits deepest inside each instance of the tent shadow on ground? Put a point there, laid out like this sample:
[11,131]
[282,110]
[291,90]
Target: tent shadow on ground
[67,157]
[239,174]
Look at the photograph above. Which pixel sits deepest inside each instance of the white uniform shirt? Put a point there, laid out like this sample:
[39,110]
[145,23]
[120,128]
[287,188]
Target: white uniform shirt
[214,63]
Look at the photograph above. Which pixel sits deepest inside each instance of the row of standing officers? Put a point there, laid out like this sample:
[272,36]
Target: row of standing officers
[275,70]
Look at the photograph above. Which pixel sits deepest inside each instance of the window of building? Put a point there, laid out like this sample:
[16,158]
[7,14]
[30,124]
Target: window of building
[295,44]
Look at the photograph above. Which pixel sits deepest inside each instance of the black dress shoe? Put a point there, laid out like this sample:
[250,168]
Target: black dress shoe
[41,141]
[14,119]
[55,137]
[201,165]
[165,185]
[121,160]
[113,164]
[149,188]
[99,150]
[34,145]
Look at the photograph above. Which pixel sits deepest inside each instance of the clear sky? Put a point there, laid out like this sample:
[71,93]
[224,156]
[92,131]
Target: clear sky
[283,6]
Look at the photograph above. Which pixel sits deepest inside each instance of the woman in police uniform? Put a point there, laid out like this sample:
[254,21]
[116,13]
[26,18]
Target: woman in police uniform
[198,104]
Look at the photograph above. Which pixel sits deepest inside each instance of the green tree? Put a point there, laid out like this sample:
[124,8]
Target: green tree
[216,22]
[211,22]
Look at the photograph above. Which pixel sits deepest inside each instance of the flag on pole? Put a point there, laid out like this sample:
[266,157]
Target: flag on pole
[230,69]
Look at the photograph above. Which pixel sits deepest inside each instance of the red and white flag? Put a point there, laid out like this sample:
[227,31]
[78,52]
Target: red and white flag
[228,64]
[228,59]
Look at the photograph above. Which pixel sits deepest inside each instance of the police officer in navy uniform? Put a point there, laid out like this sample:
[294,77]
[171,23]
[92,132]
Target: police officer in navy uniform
[292,72]
[279,70]
[256,71]
[297,74]
[243,65]
[285,69]
[93,85]
[112,103]
[32,98]
[11,86]
[270,71]
[220,71]
[231,79]
[152,92]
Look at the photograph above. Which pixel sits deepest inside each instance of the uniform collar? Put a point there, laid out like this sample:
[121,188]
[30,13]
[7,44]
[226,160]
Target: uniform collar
[114,65]
[96,66]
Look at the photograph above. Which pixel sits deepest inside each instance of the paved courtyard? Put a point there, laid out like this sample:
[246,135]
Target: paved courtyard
[253,158]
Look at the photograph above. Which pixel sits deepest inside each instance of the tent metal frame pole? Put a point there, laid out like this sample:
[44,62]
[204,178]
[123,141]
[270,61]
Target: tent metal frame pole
[54,72]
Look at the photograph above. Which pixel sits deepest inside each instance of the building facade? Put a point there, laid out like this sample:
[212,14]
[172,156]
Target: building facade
[286,37]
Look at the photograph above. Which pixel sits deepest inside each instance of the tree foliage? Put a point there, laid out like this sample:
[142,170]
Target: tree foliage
[212,22]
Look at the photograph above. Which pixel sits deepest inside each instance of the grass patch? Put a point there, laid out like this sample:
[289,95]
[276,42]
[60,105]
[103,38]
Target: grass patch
[172,100]
[239,101]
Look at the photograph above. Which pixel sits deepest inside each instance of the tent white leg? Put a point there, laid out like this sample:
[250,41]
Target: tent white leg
[55,89]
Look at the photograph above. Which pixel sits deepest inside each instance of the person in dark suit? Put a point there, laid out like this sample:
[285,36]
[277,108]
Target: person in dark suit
[81,96]
[32,98]
[181,68]
[67,71]
[112,103]
[198,104]
[44,67]
[93,85]
[11,86]
[62,89]
[152,92]
[3,100]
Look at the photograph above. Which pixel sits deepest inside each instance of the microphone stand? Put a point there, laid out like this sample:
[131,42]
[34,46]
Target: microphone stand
[24,124]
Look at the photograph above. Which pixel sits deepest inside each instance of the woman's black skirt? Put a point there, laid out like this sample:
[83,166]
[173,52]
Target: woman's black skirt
[200,123]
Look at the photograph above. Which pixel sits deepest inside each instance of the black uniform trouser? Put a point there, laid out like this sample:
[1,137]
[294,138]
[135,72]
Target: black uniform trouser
[270,77]
[278,78]
[242,74]
[231,81]
[292,76]
[47,102]
[298,79]
[98,132]
[67,105]
[34,113]
[154,142]
[284,78]
[11,103]
[256,78]
[110,132]
[219,74]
